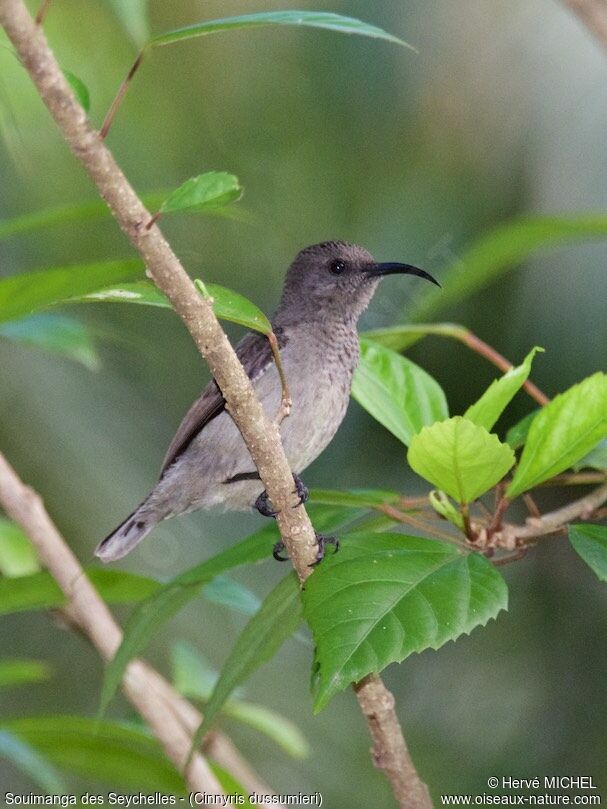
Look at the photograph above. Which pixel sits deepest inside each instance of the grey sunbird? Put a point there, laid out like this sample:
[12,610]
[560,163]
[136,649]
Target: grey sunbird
[326,289]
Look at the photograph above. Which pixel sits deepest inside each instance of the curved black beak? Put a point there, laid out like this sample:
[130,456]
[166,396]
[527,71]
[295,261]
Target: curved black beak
[392,267]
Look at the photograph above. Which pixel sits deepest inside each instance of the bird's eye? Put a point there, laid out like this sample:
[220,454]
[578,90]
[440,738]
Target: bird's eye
[337,266]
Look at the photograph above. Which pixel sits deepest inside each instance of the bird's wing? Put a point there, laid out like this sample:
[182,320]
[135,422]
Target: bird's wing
[256,356]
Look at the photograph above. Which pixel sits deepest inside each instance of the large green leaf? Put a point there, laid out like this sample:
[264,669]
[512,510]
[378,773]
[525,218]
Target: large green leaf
[30,291]
[385,596]
[56,333]
[501,250]
[460,458]
[121,756]
[40,591]
[590,541]
[397,392]
[278,617]
[563,431]
[227,304]
[35,766]
[401,336]
[21,671]
[17,554]
[487,410]
[355,498]
[313,19]
[213,189]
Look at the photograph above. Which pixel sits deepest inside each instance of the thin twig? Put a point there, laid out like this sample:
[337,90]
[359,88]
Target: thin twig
[414,522]
[261,436]
[593,13]
[575,479]
[115,105]
[512,536]
[285,399]
[41,15]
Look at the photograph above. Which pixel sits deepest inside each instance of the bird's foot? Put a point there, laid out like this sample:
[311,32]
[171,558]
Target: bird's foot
[301,490]
[277,550]
[321,543]
[263,505]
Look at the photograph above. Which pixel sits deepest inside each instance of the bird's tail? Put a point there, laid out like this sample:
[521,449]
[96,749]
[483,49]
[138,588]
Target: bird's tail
[128,534]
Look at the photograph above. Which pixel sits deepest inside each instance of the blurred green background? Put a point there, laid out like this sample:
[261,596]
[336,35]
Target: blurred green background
[503,112]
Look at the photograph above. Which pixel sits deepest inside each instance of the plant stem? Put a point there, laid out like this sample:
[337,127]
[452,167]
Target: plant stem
[115,105]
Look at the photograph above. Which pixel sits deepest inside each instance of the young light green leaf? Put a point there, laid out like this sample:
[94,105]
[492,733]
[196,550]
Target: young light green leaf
[40,591]
[211,190]
[22,672]
[401,336]
[487,410]
[590,541]
[443,506]
[517,435]
[79,89]
[227,304]
[17,554]
[313,19]
[502,249]
[384,596]
[110,752]
[56,333]
[396,392]
[563,431]
[31,763]
[459,457]
[595,459]
[278,617]
[30,291]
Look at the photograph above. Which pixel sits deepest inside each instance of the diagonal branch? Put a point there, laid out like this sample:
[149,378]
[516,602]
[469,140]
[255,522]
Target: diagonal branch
[261,436]
[172,718]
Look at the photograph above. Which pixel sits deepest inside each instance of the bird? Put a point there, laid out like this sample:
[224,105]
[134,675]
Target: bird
[326,289]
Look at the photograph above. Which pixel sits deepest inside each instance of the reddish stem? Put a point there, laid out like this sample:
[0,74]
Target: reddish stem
[115,106]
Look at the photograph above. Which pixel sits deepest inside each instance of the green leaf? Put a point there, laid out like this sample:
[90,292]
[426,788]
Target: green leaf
[272,724]
[17,555]
[487,410]
[56,333]
[384,596]
[149,617]
[590,542]
[227,304]
[66,215]
[502,249]
[31,763]
[396,392]
[517,435]
[313,19]
[563,431]
[133,16]
[110,752]
[40,591]
[229,593]
[30,291]
[460,458]
[278,617]
[211,190]
[400,337]
[195,679]
[595,459]
[79,89]
[355,498]
[22,672]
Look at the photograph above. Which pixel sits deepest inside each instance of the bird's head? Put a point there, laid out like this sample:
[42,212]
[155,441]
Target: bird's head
[335,279]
